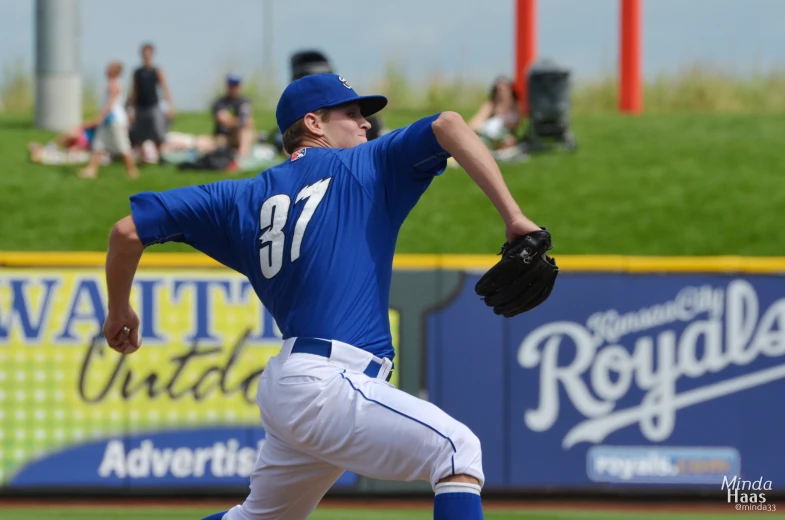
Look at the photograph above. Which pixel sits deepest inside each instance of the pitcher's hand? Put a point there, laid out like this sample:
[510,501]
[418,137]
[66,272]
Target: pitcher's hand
[121,330]
[520,226]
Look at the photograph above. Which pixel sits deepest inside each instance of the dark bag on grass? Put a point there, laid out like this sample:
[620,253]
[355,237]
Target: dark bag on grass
[218,160]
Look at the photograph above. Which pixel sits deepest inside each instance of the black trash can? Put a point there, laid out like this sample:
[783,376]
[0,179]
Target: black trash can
[548,97]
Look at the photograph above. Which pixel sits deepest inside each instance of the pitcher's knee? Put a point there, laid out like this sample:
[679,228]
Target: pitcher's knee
[460,460]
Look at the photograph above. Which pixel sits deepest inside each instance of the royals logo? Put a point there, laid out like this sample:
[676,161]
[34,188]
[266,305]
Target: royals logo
[344,82]
[603,371]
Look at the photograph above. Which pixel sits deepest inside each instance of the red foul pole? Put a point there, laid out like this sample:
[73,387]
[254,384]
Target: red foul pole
[525,45]
[630,57]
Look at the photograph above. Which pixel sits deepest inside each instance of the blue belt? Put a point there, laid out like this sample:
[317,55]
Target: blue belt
[324,348]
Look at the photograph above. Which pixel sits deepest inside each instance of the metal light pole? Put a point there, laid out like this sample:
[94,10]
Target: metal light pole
[58,82]
[630,85]
[267,45]
[525,46]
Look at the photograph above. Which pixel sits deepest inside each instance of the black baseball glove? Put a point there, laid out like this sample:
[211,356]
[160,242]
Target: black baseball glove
[523,278]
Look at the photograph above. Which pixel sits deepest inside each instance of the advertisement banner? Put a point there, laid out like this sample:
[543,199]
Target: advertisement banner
[623,379]
[180,410]
[620,379]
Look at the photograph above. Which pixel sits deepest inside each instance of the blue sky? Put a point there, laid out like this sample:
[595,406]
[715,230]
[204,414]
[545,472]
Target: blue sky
[199,41]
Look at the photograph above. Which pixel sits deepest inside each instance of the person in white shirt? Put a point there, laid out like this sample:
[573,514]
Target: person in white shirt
[112,134]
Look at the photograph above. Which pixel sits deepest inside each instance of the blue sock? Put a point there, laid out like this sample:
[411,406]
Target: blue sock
[457,501]
[216,516]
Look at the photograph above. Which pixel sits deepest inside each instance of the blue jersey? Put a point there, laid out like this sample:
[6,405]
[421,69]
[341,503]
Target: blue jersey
[314,235]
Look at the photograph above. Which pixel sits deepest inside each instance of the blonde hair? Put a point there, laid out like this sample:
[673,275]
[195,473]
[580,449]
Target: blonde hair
[295,134]
[114,69]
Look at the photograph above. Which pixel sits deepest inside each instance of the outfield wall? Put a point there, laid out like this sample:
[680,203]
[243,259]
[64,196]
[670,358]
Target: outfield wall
[637,373]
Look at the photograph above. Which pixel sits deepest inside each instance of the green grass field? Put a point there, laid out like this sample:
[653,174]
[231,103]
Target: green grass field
[650,185]
[349,514]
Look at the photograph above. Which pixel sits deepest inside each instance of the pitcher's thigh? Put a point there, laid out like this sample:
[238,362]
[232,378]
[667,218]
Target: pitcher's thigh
[392,435]
[285,485]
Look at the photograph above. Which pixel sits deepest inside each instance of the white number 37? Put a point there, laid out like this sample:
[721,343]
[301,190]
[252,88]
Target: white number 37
[273,216]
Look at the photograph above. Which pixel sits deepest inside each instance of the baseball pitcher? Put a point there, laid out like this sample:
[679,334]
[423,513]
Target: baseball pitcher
[315,236]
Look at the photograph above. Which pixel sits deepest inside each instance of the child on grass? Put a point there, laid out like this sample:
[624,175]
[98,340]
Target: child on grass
[112,134]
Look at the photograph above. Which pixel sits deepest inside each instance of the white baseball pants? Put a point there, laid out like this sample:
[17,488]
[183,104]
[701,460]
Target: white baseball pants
[324,415]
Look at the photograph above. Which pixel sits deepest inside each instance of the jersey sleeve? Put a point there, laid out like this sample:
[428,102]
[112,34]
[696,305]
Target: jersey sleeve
[200,216]
[398,167]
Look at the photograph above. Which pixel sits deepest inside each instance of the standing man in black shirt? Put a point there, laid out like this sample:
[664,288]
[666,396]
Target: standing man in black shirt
[232,116]
[149,123]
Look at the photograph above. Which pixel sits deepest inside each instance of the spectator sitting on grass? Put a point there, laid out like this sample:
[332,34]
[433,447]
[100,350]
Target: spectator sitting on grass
[112,134]
[497,120]
[232,116]
[77,139]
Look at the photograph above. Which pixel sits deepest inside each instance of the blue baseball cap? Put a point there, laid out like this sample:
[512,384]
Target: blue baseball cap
[233,79]
[311,93]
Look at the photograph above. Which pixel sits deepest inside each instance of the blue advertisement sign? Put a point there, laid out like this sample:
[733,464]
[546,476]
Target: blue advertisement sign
[620,378]
[212,457]
[661,465]
[617,380]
